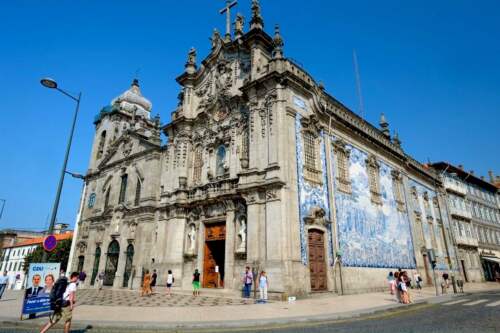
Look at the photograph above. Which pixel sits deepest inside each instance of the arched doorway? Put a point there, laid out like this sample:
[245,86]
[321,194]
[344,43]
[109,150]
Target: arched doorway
[128,265]
[81,260]
[317,261]
[95,269]
[111,263]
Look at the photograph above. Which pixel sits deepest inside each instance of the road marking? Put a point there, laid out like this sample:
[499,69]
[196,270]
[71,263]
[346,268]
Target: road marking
[494,303]
[456,302]
[476,302]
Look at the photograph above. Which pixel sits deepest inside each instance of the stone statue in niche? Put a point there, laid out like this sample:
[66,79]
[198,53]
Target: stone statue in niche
[192,239]
[242,236]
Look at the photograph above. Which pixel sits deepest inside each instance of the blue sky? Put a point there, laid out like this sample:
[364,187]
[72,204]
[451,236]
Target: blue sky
[432,67]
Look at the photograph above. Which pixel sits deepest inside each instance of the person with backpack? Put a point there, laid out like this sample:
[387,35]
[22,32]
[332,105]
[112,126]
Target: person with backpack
[62,302]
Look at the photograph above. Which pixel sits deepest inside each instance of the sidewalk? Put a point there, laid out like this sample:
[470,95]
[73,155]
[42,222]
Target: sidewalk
[197,316]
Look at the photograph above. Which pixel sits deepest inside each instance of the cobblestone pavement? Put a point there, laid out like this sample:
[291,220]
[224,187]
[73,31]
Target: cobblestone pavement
[158,299]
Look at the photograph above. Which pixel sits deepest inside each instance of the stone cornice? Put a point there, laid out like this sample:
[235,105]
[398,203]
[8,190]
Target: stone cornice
[156,150]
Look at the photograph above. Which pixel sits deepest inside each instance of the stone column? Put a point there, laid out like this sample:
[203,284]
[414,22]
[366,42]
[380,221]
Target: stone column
[229,282]
[330,181]
[118,281]
[255,242]
[414,227]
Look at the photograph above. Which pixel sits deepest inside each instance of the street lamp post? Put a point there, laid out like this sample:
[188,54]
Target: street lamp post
[3,206]
[50,83]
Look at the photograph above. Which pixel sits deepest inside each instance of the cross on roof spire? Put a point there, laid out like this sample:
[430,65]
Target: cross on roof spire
[227,10]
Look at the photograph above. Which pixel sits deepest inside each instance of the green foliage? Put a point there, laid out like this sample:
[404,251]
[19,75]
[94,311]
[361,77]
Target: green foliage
[60,254]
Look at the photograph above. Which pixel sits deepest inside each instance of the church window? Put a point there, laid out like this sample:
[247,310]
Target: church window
[138,192]
[197,165]
[123,189]
[91,202]
[374,179]
[309,151]
[342,155]
[311,160]
[221,161]
[102,142]
[106,199]
[397,187]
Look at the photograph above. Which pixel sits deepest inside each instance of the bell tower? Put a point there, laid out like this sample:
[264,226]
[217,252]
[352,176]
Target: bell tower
[130,112]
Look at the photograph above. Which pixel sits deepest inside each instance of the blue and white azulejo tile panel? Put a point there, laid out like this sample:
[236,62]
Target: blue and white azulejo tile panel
[311,195]
[371,235]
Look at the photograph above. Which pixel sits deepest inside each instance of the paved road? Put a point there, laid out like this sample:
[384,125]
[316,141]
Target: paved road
[476,313]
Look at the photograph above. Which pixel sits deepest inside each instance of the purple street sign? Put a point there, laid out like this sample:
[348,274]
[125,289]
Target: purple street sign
[50,243]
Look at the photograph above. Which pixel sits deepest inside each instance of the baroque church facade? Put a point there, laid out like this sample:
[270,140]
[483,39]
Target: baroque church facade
[262,168]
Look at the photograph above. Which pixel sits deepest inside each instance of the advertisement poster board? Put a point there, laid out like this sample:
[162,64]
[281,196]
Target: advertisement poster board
[41,279]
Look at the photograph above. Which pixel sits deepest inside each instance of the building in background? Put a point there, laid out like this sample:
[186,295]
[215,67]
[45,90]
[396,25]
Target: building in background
[12,257]
[474,205]
[9,237]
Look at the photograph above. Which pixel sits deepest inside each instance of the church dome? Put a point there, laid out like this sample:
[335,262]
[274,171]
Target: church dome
[132,100]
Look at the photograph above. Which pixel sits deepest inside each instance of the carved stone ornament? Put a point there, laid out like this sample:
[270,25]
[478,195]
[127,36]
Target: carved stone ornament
[82,246]
[316,216]
[127,147]
[272,194]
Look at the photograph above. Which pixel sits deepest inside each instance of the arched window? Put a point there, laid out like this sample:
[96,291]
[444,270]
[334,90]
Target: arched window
[128,265]
[138,192]
[221,159]
[309,151]
[342,155]
[95,269]
[373,169]
[102,142]
[111,263]
[123,189]
[197,165]
[91,201]
[81,260]
[106,199]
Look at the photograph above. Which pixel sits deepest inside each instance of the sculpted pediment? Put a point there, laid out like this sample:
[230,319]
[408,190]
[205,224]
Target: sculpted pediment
[221,76]
[126,145]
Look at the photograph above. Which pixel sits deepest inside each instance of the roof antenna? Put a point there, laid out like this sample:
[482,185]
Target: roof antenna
[358,84]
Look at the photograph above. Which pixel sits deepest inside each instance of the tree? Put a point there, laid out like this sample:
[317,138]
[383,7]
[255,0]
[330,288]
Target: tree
[59,254]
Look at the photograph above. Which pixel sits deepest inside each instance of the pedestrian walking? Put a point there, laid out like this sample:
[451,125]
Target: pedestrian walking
[403,289]
[196,283]
[247,282]
[418,281]
[4,280]
[397,290]
[154,276]
[407,281]
[65,310]
[100,280]
[81,278]
[263,286]
[146,285]
[170,282]
[390,281]
[445,283]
